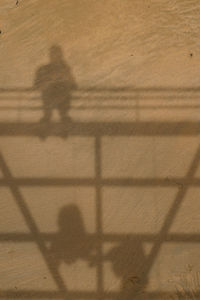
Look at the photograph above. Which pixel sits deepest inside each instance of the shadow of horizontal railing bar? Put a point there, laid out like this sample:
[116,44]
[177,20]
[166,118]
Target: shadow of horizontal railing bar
[32,294]
[21,237]
[101,98]
[98,129]
[113,89]
[125,94]
[104,107]
[91,182]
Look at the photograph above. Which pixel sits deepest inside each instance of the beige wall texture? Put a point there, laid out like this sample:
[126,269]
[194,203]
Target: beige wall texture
[100,154]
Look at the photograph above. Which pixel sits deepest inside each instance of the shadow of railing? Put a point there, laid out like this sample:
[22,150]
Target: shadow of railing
[146,107]
[98,130]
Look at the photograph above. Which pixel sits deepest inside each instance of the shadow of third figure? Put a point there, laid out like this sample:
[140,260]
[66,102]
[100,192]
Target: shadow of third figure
[55,82]
[128,264]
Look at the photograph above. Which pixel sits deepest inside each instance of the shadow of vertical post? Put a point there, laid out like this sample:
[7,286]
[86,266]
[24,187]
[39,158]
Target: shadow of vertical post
[99,229]
[32,227]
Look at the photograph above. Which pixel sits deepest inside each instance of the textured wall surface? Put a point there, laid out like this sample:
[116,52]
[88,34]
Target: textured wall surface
[100,156]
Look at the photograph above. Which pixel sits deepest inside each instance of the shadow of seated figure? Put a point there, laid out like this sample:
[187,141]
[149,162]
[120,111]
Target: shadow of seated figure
[71,242]
[128,262]
[55,82]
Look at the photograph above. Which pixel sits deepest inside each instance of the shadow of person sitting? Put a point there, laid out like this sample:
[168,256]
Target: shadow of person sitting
[128,264]
[56,83]
[71,242]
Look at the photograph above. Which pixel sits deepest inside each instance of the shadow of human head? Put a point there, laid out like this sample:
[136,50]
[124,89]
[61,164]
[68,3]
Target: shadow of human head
[56,54]
[128,264]
[70,221]
[55,83]
[71,242]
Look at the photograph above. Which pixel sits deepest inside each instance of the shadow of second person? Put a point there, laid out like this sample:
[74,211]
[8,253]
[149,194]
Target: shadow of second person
[71,242]
[55,82]
[128,264]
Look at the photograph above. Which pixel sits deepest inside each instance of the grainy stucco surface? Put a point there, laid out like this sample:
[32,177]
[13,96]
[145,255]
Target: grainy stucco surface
[116,199]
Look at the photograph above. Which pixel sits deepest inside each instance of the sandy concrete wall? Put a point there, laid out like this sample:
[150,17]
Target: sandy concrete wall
[103,205]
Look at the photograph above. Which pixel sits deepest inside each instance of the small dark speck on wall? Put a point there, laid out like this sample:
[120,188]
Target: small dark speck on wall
[191,54]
